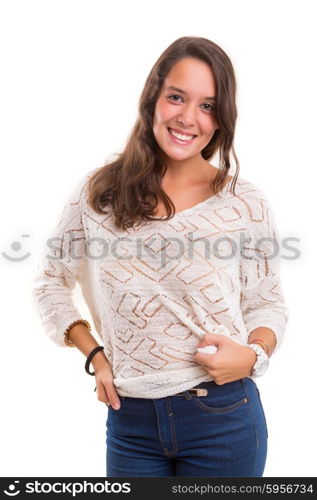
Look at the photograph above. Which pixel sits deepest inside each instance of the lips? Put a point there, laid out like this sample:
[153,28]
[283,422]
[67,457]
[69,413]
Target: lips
[180,137]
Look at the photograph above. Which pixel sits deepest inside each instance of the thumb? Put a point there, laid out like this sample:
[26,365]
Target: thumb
[211,339]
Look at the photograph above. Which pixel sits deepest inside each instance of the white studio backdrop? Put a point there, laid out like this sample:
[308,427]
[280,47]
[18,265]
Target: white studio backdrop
[72,73]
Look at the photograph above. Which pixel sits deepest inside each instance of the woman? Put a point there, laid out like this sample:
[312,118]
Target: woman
[172,259]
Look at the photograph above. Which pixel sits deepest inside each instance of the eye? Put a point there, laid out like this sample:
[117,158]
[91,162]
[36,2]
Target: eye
[211,106]
[174,95]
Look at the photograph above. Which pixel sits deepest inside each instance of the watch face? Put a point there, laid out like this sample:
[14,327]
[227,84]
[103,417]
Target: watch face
[258,349]
[262,361]
[261,365]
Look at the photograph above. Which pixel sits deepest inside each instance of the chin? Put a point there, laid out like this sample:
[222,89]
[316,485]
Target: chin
[180,154]
[176,157]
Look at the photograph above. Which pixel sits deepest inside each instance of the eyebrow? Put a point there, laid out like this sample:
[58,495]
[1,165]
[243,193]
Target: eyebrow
[171,87]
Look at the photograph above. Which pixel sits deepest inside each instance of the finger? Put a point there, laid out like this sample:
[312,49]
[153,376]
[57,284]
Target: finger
[203,343]
[113,396]
[208,349]
[101,393]
[95,389]
[214,338]
[209,339]
[204,359]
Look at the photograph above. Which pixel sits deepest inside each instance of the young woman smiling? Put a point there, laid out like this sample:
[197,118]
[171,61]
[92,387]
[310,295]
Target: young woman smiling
[173,260]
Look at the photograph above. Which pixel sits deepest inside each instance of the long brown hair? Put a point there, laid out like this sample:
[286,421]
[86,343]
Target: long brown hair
[131,183]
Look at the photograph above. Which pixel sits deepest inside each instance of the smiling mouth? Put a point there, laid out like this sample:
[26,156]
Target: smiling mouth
[181,138]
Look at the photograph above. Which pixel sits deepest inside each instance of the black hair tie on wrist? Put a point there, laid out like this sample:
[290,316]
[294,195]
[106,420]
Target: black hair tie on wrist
[89,358]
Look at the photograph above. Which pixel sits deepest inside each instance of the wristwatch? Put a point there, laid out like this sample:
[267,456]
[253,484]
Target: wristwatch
[262,361]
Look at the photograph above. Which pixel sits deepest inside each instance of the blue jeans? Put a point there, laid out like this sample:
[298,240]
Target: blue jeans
[223,433]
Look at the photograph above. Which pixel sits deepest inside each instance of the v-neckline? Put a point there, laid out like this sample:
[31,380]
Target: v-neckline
[198,205]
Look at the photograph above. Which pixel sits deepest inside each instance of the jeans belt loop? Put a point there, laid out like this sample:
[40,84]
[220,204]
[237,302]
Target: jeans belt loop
[201,392]
[198,392]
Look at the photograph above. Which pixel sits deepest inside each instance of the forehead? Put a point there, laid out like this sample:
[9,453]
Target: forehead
[193,76]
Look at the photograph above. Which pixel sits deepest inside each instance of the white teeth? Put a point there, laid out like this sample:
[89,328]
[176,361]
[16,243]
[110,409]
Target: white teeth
[181,136]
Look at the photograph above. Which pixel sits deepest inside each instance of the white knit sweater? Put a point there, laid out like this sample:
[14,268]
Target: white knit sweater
[154,290]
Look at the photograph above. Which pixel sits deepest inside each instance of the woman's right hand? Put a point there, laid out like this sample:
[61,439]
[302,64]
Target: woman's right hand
[106,389]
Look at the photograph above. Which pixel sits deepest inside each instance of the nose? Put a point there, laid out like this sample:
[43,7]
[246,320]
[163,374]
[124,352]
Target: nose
[187,116]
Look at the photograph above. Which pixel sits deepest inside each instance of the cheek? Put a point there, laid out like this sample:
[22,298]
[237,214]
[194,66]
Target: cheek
[209,125]
[163,111]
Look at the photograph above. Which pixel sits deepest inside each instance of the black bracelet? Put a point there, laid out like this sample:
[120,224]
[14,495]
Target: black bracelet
[89,358]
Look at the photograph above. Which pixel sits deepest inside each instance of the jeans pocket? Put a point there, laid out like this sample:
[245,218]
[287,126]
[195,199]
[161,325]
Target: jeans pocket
[223,409]
[222,398]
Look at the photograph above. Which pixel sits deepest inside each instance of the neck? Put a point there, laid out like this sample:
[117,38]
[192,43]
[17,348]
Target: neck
[189,171]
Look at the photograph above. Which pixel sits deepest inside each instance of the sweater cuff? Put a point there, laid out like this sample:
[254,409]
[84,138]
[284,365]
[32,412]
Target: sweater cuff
[67,341]
[58,333]
[278,329]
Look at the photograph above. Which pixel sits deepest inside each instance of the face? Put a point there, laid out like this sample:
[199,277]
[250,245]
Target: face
[183,122]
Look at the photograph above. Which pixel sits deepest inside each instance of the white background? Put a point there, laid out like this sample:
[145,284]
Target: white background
[72,72]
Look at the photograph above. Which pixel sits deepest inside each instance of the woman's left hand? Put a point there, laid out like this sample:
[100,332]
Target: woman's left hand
[232,361]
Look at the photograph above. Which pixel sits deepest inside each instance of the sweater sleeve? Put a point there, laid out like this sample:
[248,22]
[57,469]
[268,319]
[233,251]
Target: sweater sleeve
[262,302]
[62,261]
